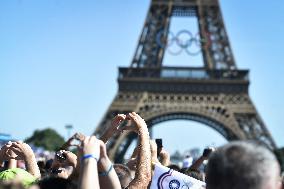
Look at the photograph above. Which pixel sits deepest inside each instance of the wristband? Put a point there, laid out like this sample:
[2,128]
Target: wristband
[103,174]
[87,156]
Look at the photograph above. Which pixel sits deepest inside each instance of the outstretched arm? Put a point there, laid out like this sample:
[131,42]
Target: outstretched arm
[154,152]
[201,159]
[77,136]
[24,152]
[107,175]
[164,157]
[4,156]
[90,152]
[143,171]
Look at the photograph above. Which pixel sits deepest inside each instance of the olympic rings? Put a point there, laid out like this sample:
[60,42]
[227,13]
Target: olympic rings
[174,184]
[183,40]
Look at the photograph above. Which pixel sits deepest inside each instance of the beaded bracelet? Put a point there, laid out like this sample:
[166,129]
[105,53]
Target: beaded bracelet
[87,156]
[103,174]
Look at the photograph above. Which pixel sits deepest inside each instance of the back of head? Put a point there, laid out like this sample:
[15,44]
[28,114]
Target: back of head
[11,185]
[123,173]
[174,167]
[56,183]
[19,175]
[242,165]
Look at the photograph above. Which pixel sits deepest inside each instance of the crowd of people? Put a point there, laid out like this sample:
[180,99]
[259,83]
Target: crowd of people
[236,165]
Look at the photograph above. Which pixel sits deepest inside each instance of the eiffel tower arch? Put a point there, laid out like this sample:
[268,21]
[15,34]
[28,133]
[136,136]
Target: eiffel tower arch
[215,94]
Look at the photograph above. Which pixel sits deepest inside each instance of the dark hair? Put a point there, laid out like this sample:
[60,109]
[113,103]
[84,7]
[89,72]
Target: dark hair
[56,183]
[123,173]
[174,167]
[240,165]
[11,185]
[48,164]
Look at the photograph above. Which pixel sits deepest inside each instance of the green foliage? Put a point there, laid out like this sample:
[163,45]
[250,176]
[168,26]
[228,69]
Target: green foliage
[46,138]
[280,156]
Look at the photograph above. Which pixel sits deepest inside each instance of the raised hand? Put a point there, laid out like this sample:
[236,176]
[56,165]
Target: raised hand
[90,152]
[113,128]
[24,152]
[164,157]
[143,164]
[70,159]
[21,151]
[79,137]
[117,120]
[154,151]
[6,153]
[207,152]
[104,162]
[137,122]
[90,145]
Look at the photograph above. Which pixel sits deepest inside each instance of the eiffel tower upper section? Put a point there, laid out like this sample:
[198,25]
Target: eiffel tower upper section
[218,60]
[216,51]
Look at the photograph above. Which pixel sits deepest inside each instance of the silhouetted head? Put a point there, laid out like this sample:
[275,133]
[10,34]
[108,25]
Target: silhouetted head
[123,173]
[240,165]
[56,183]
[174,167]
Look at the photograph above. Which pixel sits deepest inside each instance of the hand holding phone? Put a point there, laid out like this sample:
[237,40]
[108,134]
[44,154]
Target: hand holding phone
[207,152]
[60,156]
[159,143]
[123,124]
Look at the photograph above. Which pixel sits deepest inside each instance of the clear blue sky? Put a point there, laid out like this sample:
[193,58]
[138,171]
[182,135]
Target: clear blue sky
[59,59]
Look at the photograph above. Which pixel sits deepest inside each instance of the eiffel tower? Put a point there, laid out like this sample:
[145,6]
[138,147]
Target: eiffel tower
[215,94]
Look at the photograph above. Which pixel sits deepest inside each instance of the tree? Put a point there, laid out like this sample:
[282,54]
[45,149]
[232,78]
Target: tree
[47,138]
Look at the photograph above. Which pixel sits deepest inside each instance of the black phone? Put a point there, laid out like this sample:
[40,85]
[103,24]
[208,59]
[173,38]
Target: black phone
[207,152]
[60,156]
[159,143]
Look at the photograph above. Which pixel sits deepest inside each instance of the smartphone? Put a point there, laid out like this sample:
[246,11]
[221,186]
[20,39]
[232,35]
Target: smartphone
[207,152]
[124,123]
[159,143]
[60,156]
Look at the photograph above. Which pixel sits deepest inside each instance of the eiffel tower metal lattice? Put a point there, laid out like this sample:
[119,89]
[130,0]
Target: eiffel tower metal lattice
[215,94]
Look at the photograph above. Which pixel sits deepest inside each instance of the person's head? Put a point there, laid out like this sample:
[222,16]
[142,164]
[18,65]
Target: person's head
[240,165]
[19,175]
[62,172]
[56,183]
[123,173]
[11,185]
[48,164]
[41,166]
[174,167]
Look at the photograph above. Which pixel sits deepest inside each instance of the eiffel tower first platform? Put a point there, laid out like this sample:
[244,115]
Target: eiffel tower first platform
[215,94]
